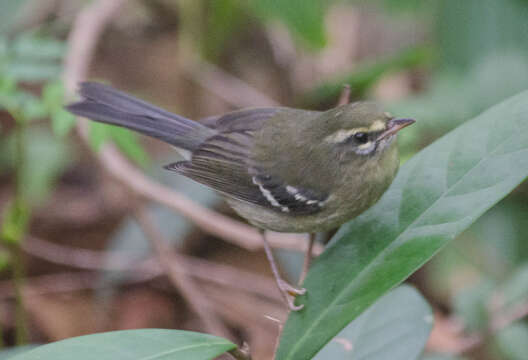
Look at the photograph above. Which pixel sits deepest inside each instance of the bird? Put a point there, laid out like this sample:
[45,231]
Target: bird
[282,169]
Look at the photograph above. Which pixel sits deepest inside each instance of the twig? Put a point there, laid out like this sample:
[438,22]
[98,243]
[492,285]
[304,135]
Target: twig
[171,263]
[344,98]
[277,341]
[227,87]
[203,270]
[498,321]
[508,316]
[82,41]
[57,283]
[460,344]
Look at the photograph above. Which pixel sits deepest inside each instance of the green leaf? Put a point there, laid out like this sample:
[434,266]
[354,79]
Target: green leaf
[23,105]
[407,5]
[438,193]
[30,58]
[33,72]
[441,357]
[455,96]
[98,134]
[128,143]
[9,353]
[512,341]
[389,334]
[30,46]
[133,345]
[62,122]
[45,160]
[514,290]
[14,222]
[8,13]
[125,140]
[224,17]
[361,79]
[470,305]
[4,262]
[305,18]
[470,30]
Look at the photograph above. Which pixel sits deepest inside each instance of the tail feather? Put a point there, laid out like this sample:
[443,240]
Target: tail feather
[102,103]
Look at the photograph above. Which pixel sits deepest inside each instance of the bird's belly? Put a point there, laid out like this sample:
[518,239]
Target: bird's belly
[268,219]
[342,206]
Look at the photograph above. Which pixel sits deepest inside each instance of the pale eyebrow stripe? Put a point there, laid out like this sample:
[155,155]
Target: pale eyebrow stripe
[378,125]
[342,135]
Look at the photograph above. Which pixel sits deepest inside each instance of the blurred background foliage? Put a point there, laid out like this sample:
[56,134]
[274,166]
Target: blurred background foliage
[438,61]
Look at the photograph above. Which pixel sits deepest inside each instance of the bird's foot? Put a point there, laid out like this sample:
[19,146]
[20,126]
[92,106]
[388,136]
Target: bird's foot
[290,289]
[289,293]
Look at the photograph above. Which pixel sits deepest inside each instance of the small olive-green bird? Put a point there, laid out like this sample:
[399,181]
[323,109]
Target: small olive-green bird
[282,169]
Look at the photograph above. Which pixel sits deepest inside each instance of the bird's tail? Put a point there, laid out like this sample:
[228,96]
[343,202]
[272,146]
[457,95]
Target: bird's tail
[104,104]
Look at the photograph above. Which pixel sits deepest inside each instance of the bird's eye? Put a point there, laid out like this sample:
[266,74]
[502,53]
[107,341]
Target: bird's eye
[361,137]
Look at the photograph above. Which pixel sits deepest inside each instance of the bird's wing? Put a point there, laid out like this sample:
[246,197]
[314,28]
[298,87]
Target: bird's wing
[224,163]
[250,119]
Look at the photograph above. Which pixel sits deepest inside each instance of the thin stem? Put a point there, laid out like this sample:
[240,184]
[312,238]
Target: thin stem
[2,344]
[20,208]
[344,98]
[18,282]
[172,263]
[20,130]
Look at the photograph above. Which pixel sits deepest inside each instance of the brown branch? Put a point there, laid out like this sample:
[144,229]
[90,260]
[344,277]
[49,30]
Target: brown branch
[171,263]
[227,87]
[200,269]
[344,98]
[508,316]
[83,39]
[61,283]
[450,337]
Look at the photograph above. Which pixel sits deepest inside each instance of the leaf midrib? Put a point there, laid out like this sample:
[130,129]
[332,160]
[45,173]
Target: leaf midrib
[411,225]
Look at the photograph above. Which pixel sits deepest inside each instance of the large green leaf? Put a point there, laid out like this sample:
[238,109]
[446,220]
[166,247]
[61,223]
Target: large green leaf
[133,345]
[9,353]
[437,194]
[383,333]
[441,357]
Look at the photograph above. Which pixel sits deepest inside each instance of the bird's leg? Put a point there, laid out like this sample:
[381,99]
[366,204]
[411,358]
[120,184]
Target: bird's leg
[287,291]
[307,258]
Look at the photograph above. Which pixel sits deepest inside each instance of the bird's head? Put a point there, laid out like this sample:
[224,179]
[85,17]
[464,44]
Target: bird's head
[361,129]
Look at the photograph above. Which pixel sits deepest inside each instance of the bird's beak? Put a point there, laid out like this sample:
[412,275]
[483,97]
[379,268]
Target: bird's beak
[394,126]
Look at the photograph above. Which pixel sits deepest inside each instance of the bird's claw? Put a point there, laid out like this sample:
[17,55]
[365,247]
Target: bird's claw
[290,289]
[292,306]
[290,292]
